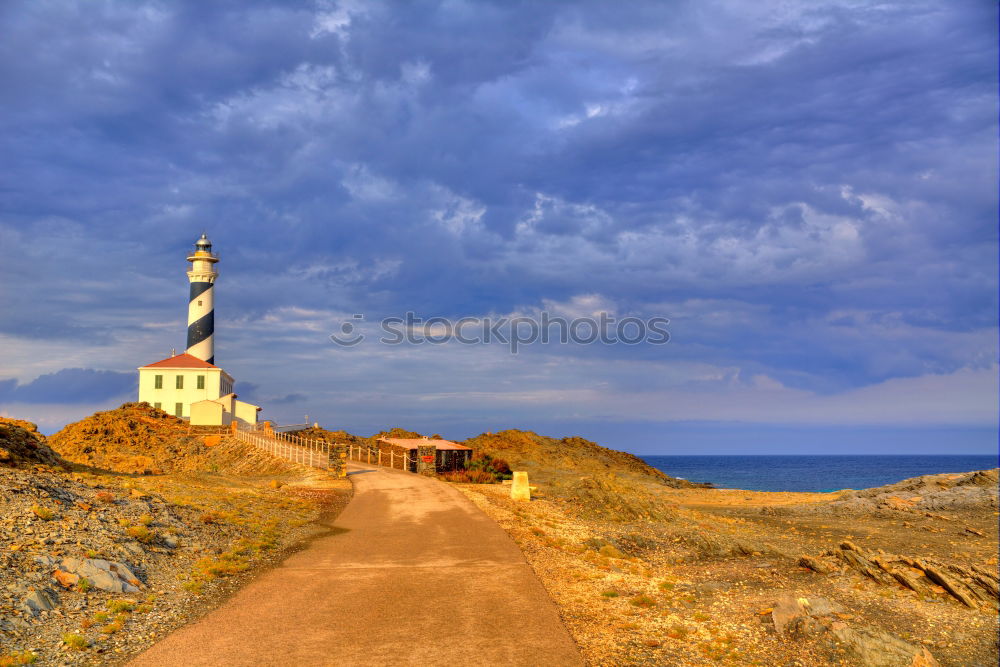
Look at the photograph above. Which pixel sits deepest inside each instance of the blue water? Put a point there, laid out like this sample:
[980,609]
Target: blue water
[811,473]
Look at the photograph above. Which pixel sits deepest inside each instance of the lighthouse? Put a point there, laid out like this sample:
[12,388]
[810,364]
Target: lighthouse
[190,385]
[201,305]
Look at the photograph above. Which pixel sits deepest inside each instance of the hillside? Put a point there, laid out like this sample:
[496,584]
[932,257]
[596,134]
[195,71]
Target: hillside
[547,458]
[95,565]
[137,438]
[21,445]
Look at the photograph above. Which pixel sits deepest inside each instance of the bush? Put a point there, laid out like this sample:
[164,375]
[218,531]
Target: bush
[112,628]
[141,533]
[469,477]
[43,513]
[494,466]
[610,552]
[118,606]
[643,601]
[18,658]
[75,641]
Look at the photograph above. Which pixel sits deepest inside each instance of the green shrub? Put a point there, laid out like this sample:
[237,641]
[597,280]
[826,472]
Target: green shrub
[486,463]
[643,601]
[610,552]
[141,533]
[18,658]
[117,606]
[75,641]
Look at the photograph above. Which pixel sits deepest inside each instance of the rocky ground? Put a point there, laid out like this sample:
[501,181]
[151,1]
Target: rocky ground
[702,576]
[96,565]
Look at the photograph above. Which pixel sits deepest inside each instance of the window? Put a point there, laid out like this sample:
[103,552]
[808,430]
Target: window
[180,381]
[178,409]
[158,382]
[201,382]
[158,406]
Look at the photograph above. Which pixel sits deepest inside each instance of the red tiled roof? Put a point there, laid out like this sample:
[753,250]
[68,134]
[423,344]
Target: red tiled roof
[412,443]
[180,361]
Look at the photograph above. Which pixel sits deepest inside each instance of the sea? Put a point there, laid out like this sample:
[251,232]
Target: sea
[812,473]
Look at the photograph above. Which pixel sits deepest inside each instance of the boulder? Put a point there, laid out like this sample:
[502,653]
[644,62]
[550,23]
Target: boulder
[106,575]
[797,617]
[109,576]
[40,600]
[874,648]
[794,615]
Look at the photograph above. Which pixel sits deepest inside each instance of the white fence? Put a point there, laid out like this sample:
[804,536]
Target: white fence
[378,457]
[307,451]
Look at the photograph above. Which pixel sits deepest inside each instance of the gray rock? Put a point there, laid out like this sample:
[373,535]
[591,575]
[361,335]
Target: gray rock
[135,549]
[795,615]
[106,575]
[46,561]
[874,648]
[39,601]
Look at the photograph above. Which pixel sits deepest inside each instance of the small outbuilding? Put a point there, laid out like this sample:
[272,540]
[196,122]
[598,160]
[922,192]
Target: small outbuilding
[449,455]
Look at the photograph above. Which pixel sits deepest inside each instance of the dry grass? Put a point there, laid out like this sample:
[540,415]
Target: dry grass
[43,513]
[141,533]
[75,641]
[18,658]
[688,588]
[470,477]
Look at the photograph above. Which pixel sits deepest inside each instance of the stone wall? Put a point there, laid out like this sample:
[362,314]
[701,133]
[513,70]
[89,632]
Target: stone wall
[426,457]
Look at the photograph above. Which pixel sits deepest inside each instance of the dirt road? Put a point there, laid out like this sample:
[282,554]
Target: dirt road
[411,573]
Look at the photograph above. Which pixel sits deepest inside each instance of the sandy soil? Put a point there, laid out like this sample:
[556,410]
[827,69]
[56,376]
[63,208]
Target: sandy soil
[663,591]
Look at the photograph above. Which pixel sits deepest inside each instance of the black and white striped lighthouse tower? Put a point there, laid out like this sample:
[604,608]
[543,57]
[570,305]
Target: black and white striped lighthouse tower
[201,308]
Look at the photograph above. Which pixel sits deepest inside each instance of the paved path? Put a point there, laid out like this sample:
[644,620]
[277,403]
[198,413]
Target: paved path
[419,577]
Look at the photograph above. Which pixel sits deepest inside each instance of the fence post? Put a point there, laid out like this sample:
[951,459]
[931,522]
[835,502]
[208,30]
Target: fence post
[380,457]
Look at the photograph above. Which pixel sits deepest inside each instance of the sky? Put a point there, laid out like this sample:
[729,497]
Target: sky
[806,191]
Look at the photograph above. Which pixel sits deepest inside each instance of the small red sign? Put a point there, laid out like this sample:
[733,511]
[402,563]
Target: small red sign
[427,459]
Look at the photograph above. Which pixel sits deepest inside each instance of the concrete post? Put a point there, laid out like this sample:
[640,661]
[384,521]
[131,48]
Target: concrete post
[426,457]
[519,489]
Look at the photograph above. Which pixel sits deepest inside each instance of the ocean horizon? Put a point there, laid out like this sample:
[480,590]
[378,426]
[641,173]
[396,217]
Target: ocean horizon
[815,473]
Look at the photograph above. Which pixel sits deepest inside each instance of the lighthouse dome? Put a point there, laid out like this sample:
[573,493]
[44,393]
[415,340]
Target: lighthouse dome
[203,243]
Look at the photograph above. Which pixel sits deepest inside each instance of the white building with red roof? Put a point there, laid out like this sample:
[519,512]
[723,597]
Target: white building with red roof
[190,385]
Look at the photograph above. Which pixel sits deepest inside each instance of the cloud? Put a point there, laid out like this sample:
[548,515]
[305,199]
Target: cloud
[70,385]
[806,191]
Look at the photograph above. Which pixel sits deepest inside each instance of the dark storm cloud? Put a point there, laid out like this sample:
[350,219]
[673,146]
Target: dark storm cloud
[70,385]
[822,174]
